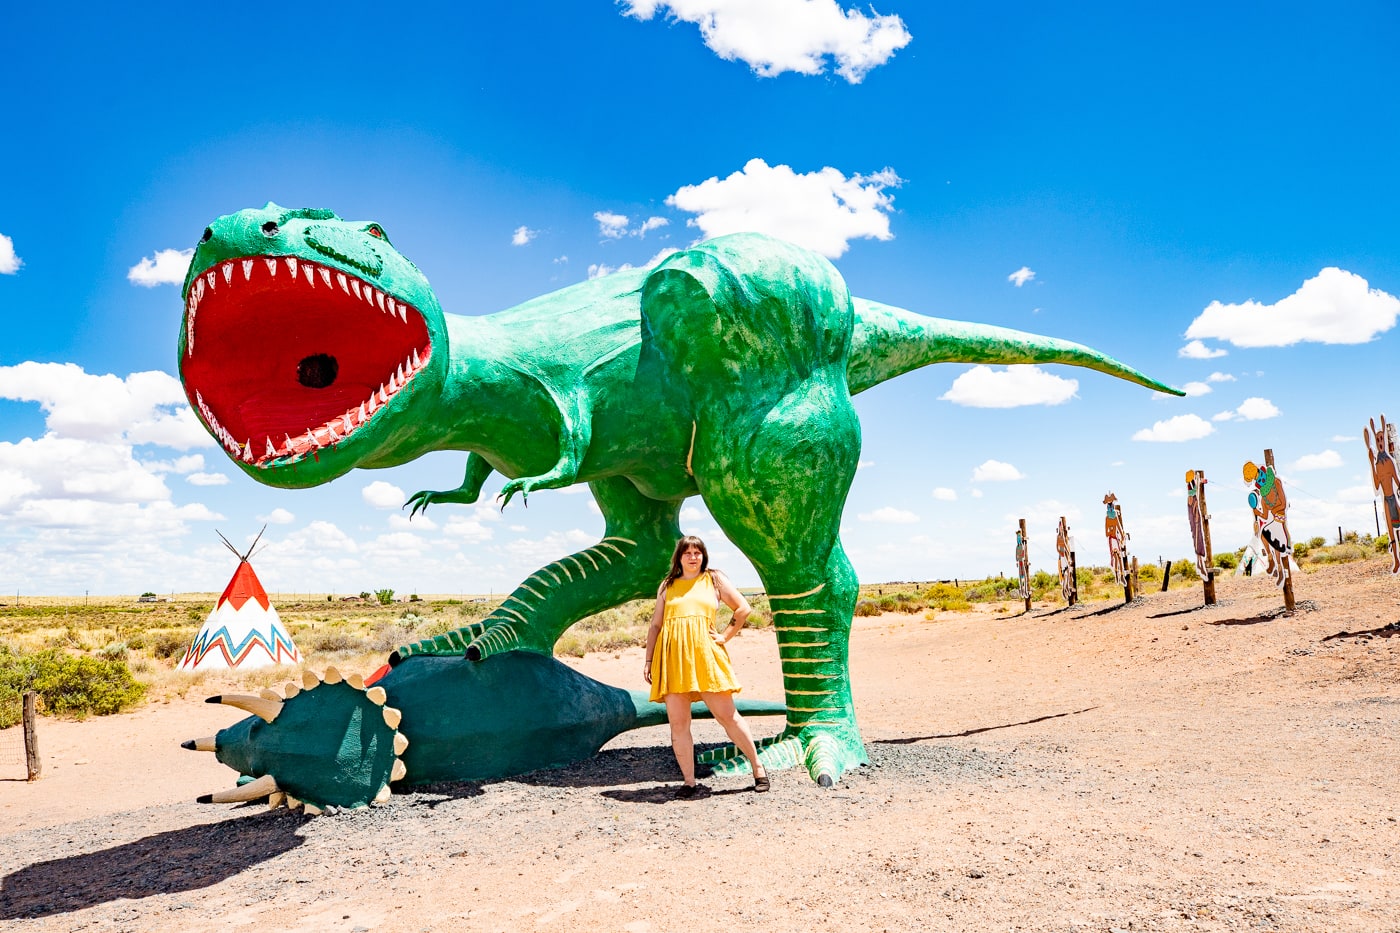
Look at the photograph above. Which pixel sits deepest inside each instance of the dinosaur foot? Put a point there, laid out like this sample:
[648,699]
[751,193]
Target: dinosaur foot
[826,755]
[323,745]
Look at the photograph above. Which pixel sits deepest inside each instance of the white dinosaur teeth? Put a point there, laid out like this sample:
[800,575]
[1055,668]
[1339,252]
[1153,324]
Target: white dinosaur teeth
[393,386]
[198,291]
[383,396]
[271,451]
[326,277]
[292,265]
[228,272]
[399,373]
[248,269]
[416,365]
[363,416]
[393,305]
[347,423]
[340,280]
[403,315]
[271,267]
[379,297]
[355,284]
[309,271]
[248,451]
[213,282]
[330,433]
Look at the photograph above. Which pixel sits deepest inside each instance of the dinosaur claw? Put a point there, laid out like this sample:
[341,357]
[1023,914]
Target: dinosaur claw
[825,780]
[473,653]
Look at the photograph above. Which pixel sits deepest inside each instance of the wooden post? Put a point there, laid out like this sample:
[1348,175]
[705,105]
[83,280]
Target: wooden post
[31,735]
[1134,584]
[1074,575]
[1287,570]
[1026,544]
[1208,582]
[1166,575]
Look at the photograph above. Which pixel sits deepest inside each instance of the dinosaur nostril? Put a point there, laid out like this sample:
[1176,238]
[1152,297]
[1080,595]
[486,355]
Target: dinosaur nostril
[270,228]
[208,235]
[317,371]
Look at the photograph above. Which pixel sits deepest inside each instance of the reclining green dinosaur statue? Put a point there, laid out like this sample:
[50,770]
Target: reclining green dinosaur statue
[310,347]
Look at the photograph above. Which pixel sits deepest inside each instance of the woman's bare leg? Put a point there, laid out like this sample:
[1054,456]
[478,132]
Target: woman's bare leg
[678,713]
[722,708]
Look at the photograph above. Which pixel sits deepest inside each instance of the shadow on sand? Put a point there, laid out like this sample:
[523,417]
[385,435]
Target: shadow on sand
[1385,631]
[180,860]
[967,732]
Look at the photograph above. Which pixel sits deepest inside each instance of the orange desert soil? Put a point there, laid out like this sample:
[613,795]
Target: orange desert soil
[1158,766]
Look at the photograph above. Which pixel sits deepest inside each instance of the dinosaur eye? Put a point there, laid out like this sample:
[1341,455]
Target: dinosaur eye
[318,371]
[208,235]
[270,228]
[375,230]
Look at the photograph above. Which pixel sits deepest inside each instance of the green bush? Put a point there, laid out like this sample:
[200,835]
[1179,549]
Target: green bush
[1382,543]
[1151,572]
[1317,542]
[385,597]
[78,686]
[1227,561]
[1187,570]
[867,608]
[1300,550]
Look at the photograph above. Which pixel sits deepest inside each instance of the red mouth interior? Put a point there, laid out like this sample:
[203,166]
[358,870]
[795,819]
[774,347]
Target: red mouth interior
[284,357]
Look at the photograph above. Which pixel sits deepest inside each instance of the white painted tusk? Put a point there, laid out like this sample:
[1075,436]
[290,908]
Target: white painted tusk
[262,787]
[258,706]
[206,744]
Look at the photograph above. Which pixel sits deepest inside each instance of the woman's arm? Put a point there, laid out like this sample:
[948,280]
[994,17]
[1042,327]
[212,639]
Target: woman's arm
[735,600]
[654,631]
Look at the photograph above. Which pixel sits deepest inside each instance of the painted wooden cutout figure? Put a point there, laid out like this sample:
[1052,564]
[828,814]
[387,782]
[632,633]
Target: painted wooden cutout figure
[1386,481]
[1270,506]
[1023,565]
[1117,539]
[1195,515]
[1063,550]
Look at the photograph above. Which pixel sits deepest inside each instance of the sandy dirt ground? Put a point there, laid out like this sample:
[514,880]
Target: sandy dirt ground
[1152,767]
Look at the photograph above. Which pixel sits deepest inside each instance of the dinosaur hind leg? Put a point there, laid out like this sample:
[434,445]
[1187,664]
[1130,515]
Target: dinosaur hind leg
[776,485]
[627,564]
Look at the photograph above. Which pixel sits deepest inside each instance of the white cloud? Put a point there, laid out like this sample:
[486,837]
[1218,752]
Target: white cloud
[143,408]
[1344,439]
[9,262]
[1021,276]
[822,210]
[382,495]
[610,225]
[399,521]
[598,270]
[1195,350]
[1326,460]
[984,387]
[976,493]
[207,479]
[691,514]
[191,463]
[651,223]
[1335,306]
[861,464]
[1220,377]
[561,260]
[1195,388]
[944,494]
[775,36]
[995,471]
[166,267]
[888,515]
[277,517]
[523,235]
[1045,514]
[1174,430]
[1256,409]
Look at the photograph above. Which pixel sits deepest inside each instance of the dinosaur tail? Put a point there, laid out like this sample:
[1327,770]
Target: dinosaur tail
[654,714]
[889,342]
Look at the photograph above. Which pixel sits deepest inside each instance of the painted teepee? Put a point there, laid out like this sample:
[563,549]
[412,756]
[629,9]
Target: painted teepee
[244,629]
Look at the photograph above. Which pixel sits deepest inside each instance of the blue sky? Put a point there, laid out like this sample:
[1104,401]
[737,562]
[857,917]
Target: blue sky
[1141,182]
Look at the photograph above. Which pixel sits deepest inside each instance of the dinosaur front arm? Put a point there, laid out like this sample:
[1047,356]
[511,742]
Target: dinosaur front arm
[575,433]
[478,469]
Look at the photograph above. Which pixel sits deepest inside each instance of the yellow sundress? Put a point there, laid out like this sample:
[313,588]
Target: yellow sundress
[686,658]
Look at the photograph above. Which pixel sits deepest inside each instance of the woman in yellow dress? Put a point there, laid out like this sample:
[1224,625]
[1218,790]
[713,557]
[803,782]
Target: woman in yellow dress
[686,659]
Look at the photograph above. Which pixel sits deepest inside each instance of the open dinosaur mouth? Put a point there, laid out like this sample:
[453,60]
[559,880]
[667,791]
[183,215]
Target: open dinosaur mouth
[285,357]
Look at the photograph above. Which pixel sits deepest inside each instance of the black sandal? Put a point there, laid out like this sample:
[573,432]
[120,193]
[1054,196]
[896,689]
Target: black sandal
[760,783]
[687,791]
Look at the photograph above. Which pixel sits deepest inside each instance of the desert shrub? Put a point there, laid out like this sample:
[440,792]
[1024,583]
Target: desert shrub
[385,597]
[11,707]
[168,643]
[148,595]
[1151,572]
[942,591]
[887,604]
[1227,561]
[1300,550]
[332,640]
[1187,570]
[866,607]
[1339,554]
[113,651]
[79,686]
[1317,542]
[1351,537]
[1382,543]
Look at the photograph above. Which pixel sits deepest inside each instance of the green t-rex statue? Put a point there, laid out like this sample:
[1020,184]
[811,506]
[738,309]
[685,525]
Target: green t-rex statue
[310,346]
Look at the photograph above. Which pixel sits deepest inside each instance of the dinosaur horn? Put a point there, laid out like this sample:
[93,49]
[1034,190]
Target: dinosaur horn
[206,744]
[262,787]
[258,706]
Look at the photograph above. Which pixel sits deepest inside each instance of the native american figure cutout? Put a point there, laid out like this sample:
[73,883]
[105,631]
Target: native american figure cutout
[1386,480]
[1064,547]
[1270,505]
[1023,565]
[1117,539]
[1196,516]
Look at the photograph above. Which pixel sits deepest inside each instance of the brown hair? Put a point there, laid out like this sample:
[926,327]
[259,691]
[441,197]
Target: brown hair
[688,541]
